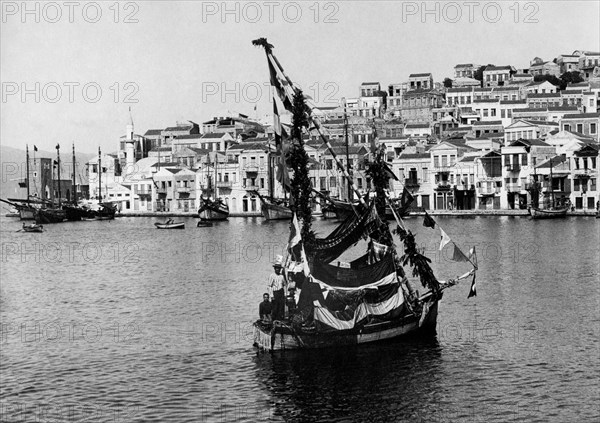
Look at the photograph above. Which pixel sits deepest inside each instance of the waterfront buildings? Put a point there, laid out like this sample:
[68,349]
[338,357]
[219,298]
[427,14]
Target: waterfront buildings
[480,144]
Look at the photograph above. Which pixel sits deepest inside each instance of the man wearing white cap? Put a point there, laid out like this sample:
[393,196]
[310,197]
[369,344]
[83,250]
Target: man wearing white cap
[276,289]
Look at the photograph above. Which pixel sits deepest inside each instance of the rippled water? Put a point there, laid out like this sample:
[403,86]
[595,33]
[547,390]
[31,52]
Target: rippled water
[117,321]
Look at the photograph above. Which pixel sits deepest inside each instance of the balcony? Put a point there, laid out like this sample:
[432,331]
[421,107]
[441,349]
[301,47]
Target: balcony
[512,167]
[489,191]
[411,183]
[162,190]
[250,187]
[224,184]
[251,168]
[514,188]
[184,189]
[443,186]
[584,173]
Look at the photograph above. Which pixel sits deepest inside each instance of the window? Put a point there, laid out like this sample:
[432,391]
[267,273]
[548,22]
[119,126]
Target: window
[332,182]
[592,128]
[444,161]
[502,113]
[493,112]
[576,185]
[580,128]
[262,182]
[567,127]
[592,184]
[485,112]
[359,183]
[425,175]
[323,182]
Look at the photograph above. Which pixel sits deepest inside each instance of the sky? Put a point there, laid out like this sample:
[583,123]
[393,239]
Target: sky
[70,71]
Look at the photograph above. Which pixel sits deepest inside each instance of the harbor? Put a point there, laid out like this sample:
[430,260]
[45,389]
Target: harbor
[127,332]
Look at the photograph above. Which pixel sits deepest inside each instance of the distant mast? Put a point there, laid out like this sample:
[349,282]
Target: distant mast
[27,168]
[349,193]
[74,187]
[99,176]
[58,165]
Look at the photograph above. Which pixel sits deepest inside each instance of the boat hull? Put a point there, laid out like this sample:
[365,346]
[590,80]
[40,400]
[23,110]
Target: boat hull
[275,212]
[44,216]
[27,213]
[276,338]
[178,225]
[548,213]
[33,228]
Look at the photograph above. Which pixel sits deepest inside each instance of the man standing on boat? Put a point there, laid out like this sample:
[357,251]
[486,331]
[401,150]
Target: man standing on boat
[276,289]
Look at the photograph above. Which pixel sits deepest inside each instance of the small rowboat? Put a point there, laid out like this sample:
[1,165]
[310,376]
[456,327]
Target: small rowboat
[34,227]
[203,224]
[169,224]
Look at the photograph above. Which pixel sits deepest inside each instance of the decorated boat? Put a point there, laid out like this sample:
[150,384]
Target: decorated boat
[170,224]
[335,303]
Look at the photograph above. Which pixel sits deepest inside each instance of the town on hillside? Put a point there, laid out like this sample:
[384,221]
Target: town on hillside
[493,137]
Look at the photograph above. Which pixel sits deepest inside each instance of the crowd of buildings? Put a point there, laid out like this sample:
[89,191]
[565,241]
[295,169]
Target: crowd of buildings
[482,143]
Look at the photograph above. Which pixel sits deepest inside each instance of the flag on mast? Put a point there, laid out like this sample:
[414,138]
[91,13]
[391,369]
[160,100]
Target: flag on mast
[445,239]
[473,290]
[428,222]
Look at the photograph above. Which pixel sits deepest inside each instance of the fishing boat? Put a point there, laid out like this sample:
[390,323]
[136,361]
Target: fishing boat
[274,209]
[33,227]
[53,211]
[170,224]
[106,210]
[212,208]
[371,298]
[553,210]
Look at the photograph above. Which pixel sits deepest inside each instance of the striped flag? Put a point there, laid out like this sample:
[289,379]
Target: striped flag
[295,246]
[280,83]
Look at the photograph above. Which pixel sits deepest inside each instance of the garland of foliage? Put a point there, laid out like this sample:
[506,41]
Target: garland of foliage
[417,261]
[376,172]
[301,187]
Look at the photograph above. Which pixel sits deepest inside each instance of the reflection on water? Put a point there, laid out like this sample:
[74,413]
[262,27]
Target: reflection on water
[117,321]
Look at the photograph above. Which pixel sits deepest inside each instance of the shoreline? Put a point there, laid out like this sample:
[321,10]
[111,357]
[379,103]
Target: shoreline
[457,213]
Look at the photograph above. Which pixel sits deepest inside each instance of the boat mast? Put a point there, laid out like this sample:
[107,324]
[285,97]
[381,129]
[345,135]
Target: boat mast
[58,160]
[215,185]
[349,191]
[74,187]
[99,176]
[551,185]
[27,168]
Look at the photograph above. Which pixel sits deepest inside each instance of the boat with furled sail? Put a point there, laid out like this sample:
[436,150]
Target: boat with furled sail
[212,208]
[552,209]
[54,213]
[371,298]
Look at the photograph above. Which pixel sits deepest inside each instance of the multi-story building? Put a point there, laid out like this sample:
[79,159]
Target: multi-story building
[567,63]
[583,123]
[394,98]
[413,169]
[541,87]
[518,161]
[488,177]
[544,100]
[442,164]
[494,76]
[528,130]
[465,70]
[181,128]
[539,67]
[418,105]
[420,81]
[584,177]
[372,100]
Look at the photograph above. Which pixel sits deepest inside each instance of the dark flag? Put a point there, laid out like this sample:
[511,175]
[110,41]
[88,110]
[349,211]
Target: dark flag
[35,148]
[473,290]
[428,222]
[406,199]
[279,83]
[389,171]
[458,255]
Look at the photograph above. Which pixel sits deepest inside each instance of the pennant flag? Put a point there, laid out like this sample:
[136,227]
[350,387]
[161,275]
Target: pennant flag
[445,239]
[406,199]
[428,222]
[458,255]
[35,148]
[473,257]
[473,290]
[277,127]
[389,172]
[279,82]
[295,247]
